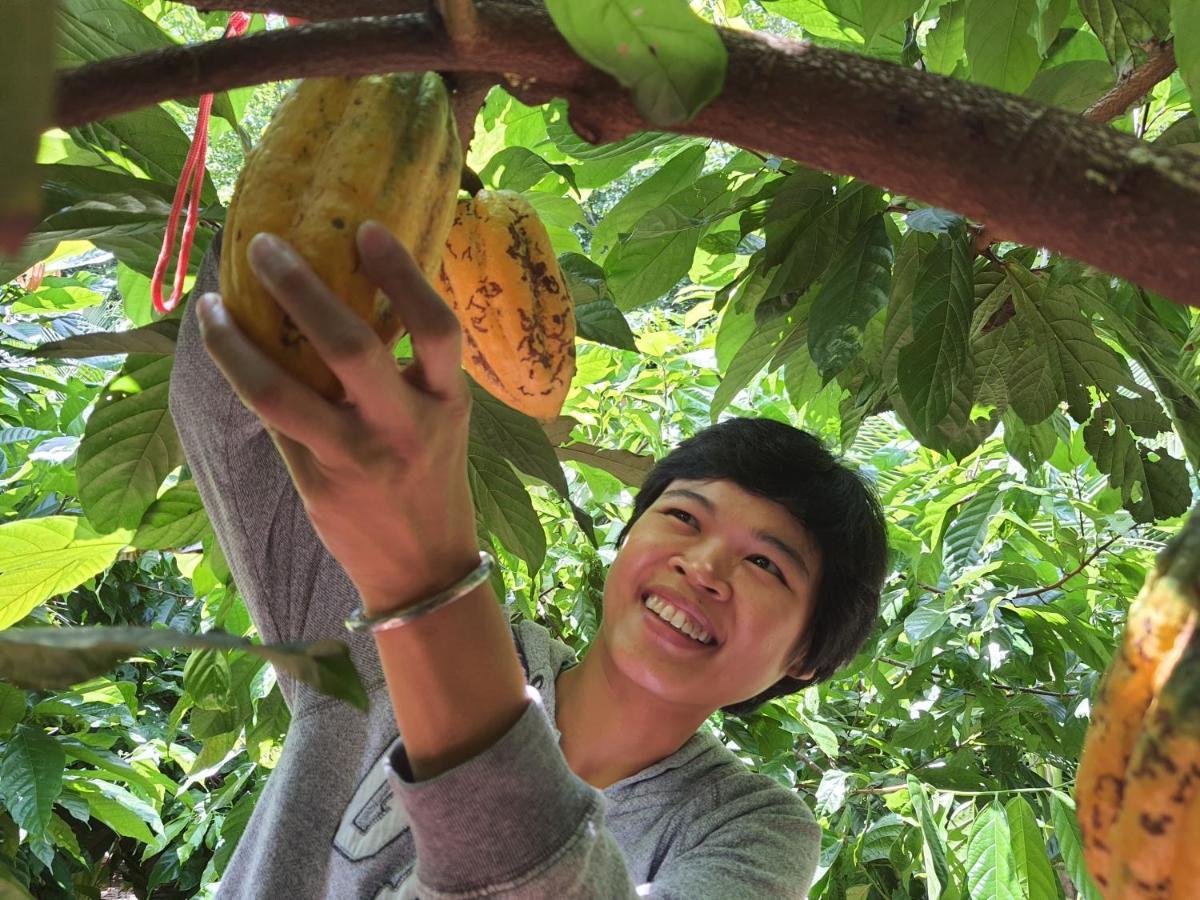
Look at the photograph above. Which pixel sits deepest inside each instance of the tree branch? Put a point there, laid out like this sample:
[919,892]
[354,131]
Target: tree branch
[1042,176]
[1037,592]
[1159,64]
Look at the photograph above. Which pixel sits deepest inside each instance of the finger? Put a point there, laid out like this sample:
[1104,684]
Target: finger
[434,329]
[344,341]
[284,404]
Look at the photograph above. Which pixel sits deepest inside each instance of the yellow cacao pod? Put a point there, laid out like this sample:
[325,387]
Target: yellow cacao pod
[1133,792]
[500,275]
[339,151]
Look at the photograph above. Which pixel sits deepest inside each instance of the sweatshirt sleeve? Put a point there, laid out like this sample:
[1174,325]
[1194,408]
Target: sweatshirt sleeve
[293,588]
[516,822]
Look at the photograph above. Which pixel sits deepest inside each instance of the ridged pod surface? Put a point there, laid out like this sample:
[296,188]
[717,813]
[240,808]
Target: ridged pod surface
[500,275]
[339,151]
[1160,636]
[1161,789]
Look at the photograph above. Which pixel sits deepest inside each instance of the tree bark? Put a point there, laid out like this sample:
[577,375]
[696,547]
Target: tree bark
[1041,176]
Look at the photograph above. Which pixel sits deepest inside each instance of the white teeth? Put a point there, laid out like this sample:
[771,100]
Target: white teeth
[677,618]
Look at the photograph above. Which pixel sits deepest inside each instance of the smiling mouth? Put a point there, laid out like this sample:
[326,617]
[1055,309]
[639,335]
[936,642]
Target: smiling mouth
[677,619]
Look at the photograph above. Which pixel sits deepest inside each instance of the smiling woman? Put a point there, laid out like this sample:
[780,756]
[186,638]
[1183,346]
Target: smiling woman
[751,567]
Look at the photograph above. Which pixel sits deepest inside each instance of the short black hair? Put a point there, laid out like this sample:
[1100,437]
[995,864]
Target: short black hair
[833,503]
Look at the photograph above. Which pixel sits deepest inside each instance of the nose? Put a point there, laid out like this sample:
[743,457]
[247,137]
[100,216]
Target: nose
[703,569]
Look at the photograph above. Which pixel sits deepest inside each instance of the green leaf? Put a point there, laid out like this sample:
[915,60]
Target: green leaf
[119,809]
[158,338]
[1070,844]
[933,848]
[1185,25]
[945,43]
[1050,17]
[1153,484]
[519,169]
[12,708]
[206,678]
[990,863]
[42,557]
[26,61]
[58,657]
[855,288]
[675,175]
[130,445]
[1032,865]
[175,520]
[264,738]
[596,315]
[880,15]
[503,504]
[1030,445]
[1123,24]
[1074,85]
[750,358]
[1000,48]
[655,256]
[521,439]
[932,367]
[671,59]
[31,778]
[970,525]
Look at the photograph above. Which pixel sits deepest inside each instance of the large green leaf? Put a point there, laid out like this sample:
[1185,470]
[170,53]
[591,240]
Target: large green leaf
[676,174]
[503,504]
[520,438]
[174,520]
[158,338]
[1121,25]
[1070,844]
[854,289]
[1032,866]
[31,778]
[130,445]
[58,657]
[990,865]
[596,315]
[671,59]
[944,45]
[933,365]
[1001,48]
[119,809]
[938,883]
[1074,85]
[880,15]
[26,61]
[43,557]
[1185,25]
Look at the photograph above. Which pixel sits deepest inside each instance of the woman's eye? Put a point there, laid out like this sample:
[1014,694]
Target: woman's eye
[763,563]
[682,516]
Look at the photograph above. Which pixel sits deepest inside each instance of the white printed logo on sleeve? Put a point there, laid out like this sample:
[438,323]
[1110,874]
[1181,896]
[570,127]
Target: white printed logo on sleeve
[373,818]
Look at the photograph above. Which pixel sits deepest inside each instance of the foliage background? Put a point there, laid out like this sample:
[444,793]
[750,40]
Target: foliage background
[1033,427]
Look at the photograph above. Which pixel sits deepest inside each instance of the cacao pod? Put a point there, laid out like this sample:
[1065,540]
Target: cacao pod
[500,276]
[339,151]
[1143,717]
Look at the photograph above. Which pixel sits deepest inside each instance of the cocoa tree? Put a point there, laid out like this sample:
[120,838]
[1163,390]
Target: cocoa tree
[1033,422]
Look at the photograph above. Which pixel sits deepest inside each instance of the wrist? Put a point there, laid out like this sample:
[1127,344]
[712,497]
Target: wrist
[398,591]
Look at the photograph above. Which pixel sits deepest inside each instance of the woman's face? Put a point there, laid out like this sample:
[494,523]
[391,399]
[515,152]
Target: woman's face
[736,565]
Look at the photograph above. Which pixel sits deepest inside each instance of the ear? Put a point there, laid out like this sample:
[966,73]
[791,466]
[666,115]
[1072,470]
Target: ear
[799,670]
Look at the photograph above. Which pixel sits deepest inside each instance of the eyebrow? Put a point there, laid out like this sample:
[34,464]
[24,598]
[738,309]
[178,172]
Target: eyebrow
[777,542]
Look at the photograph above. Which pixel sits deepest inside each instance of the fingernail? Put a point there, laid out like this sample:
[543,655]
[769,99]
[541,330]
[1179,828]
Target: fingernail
[208,307]
[268,253]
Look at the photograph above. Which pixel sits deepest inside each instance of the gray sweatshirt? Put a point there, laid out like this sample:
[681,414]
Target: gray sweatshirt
[336,820]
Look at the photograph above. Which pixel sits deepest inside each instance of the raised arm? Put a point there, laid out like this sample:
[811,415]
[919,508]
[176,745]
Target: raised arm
[292,587]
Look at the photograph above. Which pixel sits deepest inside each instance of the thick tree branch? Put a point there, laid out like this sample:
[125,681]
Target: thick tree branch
[1041,176]
[1159,64]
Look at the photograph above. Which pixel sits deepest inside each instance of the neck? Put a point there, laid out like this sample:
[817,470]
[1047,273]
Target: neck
[611,728]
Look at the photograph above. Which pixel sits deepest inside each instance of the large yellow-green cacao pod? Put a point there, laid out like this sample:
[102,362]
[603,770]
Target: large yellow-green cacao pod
[500,275]
[339,151]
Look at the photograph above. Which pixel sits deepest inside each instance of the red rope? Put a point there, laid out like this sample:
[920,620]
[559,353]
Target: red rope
[191,177]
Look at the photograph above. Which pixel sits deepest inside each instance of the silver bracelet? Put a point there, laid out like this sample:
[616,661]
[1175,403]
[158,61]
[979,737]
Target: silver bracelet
[360,621]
